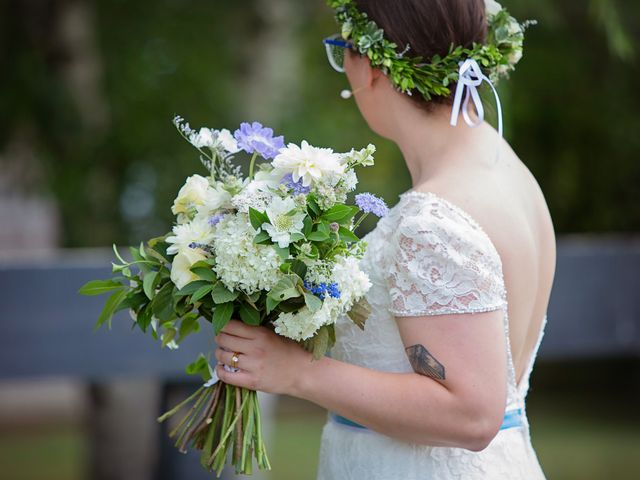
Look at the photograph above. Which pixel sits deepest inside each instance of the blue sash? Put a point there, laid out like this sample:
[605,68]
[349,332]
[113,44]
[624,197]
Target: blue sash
[512,418]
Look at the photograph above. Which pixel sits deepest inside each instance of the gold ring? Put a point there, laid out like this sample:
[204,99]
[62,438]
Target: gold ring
[234,360]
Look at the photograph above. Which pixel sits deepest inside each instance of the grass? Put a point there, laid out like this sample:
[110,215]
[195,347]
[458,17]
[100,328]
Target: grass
[573,443]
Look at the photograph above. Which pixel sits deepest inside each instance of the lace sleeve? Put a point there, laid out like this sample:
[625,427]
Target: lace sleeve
[442,263]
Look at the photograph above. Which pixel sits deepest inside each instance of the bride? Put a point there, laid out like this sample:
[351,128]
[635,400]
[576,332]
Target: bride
[462,266]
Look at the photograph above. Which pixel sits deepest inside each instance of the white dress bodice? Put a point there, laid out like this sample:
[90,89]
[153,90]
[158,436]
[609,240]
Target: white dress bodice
[426,257]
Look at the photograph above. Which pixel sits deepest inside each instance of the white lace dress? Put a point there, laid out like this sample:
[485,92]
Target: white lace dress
[426,257]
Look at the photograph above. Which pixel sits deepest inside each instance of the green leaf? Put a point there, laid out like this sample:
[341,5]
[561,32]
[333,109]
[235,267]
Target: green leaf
[222,294]
[347,235]
[312,205]
[296,237]
[199,367]
[162,303]
[338,213]
[272,304]
[285,289]
[98,287]
[205,273]
[201,292]
[262,238]
[191,288]
[360,312]
[299,268]
[257,218]
[313,303]
[110,307]
[188,325]
[249,315]
[148,284]
[221,316]
[318,236]
[282,252]
[168,335]
[144,317]
[320,343]
[308,226]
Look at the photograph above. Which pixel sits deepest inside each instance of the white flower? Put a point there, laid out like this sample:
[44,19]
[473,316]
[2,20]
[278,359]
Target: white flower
[216,197]
[226,140]
[204,138]
[352,281]
[181,274]
[214,139]
[302,324]
[192,194]
[285,220]
[307,162]
[241,264]
[197,232]
[515,57]
[492,7]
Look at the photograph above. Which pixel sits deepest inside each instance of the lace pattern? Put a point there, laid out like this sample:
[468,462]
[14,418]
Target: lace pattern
[442,263]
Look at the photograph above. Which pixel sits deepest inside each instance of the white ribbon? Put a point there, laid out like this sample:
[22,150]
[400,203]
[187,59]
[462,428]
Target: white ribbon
[470,78]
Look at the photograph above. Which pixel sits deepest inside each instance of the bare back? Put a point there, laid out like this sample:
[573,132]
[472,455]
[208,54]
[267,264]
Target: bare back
[505,199]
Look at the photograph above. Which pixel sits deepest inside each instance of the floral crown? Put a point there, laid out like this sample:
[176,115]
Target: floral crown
[497,57]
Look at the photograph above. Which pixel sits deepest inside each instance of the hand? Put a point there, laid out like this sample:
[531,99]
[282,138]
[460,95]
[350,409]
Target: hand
[267,361]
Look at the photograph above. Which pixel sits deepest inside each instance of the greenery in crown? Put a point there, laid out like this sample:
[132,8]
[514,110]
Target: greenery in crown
[498,56]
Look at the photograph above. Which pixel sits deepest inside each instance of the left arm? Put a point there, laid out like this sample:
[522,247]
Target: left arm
[455,397]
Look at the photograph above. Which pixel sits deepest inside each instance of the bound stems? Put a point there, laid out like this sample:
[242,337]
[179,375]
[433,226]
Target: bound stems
[222,420]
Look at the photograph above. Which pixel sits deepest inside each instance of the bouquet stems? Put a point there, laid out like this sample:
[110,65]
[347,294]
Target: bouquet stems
[223,421]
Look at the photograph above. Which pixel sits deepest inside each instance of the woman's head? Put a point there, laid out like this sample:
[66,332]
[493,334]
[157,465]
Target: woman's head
[429,27]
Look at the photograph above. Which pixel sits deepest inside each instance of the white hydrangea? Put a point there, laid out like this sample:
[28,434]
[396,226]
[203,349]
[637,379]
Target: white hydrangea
[307,162]
[256,193]
[240,264]
[352,281]
[303,324]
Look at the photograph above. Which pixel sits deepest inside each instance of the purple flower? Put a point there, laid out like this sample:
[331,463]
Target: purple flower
[297,187]
[215,219]
[254,138]
[369,203]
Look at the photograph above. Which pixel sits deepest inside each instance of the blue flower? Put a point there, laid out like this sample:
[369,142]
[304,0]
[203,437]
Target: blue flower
[297,187]
[369,203]
[254,138]
[323,289]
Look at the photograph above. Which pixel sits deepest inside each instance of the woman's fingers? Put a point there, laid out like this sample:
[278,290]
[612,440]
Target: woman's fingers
[239,378]
[233,343]
[239,329]
[227,358]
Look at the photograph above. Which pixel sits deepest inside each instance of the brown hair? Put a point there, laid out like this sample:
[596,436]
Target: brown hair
[430,27]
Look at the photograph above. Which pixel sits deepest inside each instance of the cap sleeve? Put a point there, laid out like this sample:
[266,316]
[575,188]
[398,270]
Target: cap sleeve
[442,262]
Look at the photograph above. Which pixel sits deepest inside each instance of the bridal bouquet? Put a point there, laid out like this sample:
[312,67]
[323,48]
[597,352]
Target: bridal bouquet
[276,248]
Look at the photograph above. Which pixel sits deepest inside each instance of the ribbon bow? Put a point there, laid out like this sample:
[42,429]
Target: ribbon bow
[469,79]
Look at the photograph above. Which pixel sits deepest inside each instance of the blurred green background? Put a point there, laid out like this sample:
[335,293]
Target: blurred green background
[88,91]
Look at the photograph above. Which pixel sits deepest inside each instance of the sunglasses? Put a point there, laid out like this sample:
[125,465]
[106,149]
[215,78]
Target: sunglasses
[336,47]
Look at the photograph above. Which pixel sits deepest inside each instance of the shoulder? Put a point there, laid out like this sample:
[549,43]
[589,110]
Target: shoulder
[441,260]
[428,218]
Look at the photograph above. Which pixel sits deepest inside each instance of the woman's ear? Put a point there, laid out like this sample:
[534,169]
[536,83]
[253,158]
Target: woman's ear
[360,72]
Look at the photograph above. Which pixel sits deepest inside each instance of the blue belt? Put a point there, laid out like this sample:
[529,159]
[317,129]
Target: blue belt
[512,418]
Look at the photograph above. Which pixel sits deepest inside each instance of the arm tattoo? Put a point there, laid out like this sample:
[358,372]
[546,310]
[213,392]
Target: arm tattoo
[424,363]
